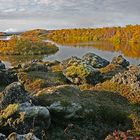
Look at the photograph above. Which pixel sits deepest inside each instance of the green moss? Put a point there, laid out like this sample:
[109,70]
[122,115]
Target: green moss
[37,80]
[101,112]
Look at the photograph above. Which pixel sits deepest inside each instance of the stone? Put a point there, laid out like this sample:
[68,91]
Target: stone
[7,76]
[85,109]
[15,136]
[13,93]
[95,60]
[120,60]
[39,114]
[69,111]
[2,65]
[35,66]
[22,118]
[79,72]
[130,77]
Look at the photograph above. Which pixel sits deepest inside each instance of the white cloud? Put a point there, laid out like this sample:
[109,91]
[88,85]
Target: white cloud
[70,13]
[10,30]
[9,10]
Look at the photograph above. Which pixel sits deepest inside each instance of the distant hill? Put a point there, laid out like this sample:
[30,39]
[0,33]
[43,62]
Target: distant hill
[9,33]
[33,33]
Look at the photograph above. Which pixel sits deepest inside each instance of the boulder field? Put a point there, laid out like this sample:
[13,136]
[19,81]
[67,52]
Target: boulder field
[77,99]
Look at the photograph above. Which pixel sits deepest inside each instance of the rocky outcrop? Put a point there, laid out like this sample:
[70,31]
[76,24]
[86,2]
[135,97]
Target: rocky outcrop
[63,106]
[35,65]
[14,93]
[34,81]
[95,60]
[22,118]
[79,72]
[130,77]
[15,136]
[70,102]
[77,110]
[47,100]
[120,61]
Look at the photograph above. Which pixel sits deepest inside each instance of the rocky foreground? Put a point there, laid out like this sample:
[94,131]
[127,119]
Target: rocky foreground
[77,99]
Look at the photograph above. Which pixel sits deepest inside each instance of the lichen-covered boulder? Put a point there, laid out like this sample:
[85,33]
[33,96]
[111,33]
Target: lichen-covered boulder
[13,93]
[37,80]
[69,102]
[130,77]
[15,136]
[95,60]
[22,118]
[35,65]
[63,106]
[74,111]
[79,72]
[2,65]
[111,70]
[120,60]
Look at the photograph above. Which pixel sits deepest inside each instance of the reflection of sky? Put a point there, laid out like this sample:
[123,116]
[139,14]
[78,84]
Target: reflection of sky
[25,14]
[79,51]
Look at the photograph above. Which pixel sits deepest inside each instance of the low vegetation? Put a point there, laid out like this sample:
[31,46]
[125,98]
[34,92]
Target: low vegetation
[26,46]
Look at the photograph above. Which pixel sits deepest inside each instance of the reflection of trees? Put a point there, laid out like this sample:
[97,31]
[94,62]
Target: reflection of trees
[17,59]
[129,50]
[132,50]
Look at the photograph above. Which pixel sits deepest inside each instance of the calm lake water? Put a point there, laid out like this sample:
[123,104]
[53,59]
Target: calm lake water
[100,48]
[103,49]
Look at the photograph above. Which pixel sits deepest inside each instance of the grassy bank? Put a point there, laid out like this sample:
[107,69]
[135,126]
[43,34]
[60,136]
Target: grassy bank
[26,46]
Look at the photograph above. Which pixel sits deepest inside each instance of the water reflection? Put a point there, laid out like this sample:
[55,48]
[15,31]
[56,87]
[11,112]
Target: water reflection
[128,50]
[103,49]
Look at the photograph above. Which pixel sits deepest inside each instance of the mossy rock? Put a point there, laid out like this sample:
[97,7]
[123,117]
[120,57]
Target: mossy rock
[111,70]
[37,80]
[13,93]
[21,118]
[79,72]
[97,113]
[120,60]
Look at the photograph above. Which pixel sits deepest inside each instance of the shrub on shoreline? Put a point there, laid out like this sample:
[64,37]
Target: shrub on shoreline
[26,46]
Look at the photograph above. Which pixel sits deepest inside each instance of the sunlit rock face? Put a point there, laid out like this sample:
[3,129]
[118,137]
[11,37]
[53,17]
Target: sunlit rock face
[120,60]
[78,71]
[95,60]
[130,77]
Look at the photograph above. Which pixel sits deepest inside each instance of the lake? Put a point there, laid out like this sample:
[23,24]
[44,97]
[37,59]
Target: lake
[103,49]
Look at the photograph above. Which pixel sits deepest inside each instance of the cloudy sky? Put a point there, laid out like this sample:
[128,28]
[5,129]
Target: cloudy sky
[52,14]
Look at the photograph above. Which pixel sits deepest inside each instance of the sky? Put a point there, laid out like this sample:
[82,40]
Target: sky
[18,15]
